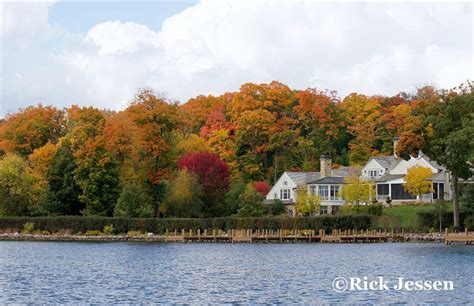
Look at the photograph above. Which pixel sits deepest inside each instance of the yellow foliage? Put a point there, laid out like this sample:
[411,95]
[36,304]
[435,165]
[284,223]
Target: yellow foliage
[416,180]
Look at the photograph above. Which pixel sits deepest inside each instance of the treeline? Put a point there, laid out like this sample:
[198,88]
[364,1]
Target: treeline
[214,155]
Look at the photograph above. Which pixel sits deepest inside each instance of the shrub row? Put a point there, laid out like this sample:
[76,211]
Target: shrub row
[430,219]
[159,226]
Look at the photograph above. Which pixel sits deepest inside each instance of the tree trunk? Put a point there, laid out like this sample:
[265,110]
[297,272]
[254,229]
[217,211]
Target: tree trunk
[455,200]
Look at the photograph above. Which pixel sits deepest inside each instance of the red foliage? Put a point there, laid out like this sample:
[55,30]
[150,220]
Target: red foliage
[212,173]
[262,187]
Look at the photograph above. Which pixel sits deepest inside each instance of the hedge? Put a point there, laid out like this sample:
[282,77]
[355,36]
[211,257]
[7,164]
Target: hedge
[78,224]
[430,219]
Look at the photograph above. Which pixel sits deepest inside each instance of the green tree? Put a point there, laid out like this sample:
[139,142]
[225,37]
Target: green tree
[20,188]
[307,204]
[62,191]
[450,126]
[133,202]
[232,201]
[183,197]
[277,207]
[251,203]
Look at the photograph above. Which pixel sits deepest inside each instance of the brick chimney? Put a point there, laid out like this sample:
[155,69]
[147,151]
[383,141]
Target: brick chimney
[395,143]
[325,165]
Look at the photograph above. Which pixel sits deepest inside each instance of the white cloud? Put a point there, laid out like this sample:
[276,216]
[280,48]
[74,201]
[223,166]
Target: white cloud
[215,46]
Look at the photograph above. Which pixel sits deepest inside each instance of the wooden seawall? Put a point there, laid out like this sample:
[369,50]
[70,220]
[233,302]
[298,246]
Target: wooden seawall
[465,237]
[283,235]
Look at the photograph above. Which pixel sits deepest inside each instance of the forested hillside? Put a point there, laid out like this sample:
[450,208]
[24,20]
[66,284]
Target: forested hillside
[160,157]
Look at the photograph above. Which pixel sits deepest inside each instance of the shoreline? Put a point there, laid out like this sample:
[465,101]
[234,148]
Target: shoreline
[408,237]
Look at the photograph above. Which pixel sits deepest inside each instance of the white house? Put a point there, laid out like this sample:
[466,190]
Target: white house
[388,173]
[325,183]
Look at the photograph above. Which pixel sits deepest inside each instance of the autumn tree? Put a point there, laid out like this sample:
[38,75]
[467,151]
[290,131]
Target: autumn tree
[41,158]
[307,204]
[97,176]
[322,126]
[20,188]
[362,114]
[30,129]
[357,191]
[417,181]
[262,187]
[212,174]
[184,197]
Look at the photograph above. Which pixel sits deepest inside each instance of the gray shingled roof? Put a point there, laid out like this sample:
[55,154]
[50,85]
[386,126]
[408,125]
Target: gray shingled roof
[390,177]
[387,162]
[329,180]
[431,162]
[301,178]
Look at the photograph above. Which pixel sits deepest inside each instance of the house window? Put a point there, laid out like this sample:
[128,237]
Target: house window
[383,189]
[323,192]
[335,209]
[275,195]
[441,191]
[399,193]
[335,193]
[323,210]
[285,194]
[435,191]
[312,190]
[373,173]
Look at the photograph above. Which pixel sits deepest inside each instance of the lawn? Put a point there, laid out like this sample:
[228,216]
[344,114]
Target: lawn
[404,216]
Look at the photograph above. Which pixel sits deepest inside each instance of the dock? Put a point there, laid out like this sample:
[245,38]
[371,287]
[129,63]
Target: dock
[465,237]
[282,236]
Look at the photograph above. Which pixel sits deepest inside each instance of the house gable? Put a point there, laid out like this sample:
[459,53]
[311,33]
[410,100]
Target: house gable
[372,165]
[284,182]
[404,165]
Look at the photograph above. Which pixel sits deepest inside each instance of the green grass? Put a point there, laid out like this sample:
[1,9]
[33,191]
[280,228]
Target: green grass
[404,215]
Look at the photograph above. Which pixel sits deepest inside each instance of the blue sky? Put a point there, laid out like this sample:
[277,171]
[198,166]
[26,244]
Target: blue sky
[99,53]
[79,17]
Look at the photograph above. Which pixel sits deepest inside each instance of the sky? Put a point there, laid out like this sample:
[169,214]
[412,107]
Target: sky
[100,53]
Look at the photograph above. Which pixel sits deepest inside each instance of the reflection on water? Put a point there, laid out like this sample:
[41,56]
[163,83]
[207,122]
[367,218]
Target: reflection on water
[63,272]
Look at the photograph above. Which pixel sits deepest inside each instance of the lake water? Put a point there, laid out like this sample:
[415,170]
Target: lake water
[84,272]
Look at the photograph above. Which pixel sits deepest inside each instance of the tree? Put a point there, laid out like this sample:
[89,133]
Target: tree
[449,140]
[62,190]
[97,176]
[416,180]
[307,204]
[232,201]
[20,188]
[133,202]
[41,158]
[362,115]
[277,207]
[192,144]
[251,203]
[262,187]
[356,191]
[213,175]
[184,197]
[30,129]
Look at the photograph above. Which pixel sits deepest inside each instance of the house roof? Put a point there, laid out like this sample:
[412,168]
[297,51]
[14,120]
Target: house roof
[431,162]
[390,177]
[329,180]
[387,162]
[301,178]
